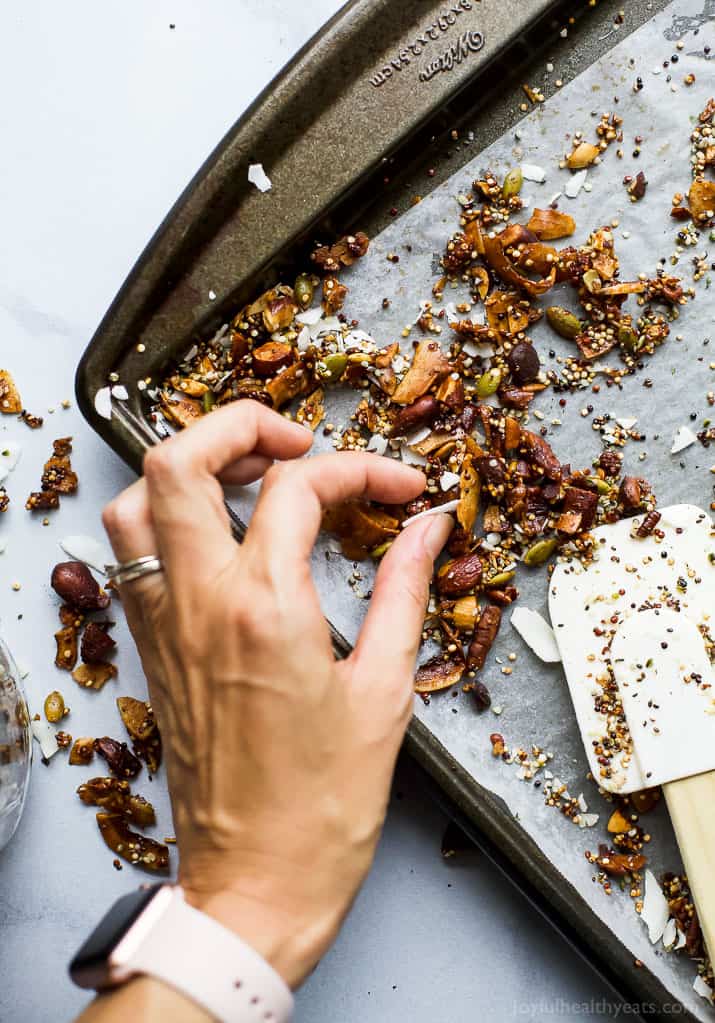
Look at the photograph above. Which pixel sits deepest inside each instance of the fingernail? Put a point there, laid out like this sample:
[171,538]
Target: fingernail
[437,533]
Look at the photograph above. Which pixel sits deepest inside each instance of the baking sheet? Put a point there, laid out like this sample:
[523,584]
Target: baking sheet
[535,700]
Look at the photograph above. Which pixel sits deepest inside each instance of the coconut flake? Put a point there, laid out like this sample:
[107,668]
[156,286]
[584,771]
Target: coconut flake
[575,183]
[702,988]
[582,804]
[330,325]
[670,934]
[536,633]
[655,910]
[44,733]
[9,457]
[682,440]
[103,402]
[303,340]
[310,316]
[417,436]
[411,456]
[88,550]
[377,444]
[478,350]
[588,820]
[532,172]
[682,940]
[446,508]
[448,480]
[258,177]
[119,391]
[627,423]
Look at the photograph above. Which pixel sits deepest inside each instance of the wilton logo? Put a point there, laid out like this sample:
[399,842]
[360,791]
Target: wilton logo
[403,58]
[468,42]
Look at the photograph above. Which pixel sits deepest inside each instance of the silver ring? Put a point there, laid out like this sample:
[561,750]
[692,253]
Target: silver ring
[128,571]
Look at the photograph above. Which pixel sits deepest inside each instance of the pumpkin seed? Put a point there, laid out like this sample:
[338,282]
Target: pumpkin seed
[303,290]
[600,485]
[563,322]
[207,400]
[628,339]
[499,580]
[332,367]
[538,553]
[381,549]
[488,383]
[54,707]
[512,183]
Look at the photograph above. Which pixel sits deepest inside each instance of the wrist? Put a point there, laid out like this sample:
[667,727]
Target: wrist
[291,945]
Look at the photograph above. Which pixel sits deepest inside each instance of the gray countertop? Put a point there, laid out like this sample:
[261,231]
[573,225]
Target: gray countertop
[109,109]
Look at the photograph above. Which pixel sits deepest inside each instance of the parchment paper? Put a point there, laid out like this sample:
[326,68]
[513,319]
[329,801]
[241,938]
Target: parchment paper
[535,700]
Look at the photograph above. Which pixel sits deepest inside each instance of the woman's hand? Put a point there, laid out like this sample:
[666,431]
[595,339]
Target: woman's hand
[279,756]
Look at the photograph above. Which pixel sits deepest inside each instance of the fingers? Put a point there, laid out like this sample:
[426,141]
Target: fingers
[127,520]
[246,470]
[290,506]
[187,510]
[384,656]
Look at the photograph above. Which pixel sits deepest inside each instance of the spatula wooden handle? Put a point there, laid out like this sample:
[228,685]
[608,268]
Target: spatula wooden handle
[691,804]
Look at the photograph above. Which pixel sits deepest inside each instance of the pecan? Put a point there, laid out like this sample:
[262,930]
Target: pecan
[581,502]
[43,500]
[498,744]
[650,521]
[460,542]
[516,397]
[638,186]
[458,254]
[456,578]
[344,252]
[96,644]
[694,937]
[491,470]
[76,585]
[644,800]
[34,422]
[503,597]
[540,454]
[334,295]
[115,796]
[120,760]
[420,413]
[485,632]
[134,848]
[610,461]
[63,740]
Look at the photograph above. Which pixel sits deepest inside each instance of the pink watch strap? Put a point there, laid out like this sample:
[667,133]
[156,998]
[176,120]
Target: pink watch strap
[202,959]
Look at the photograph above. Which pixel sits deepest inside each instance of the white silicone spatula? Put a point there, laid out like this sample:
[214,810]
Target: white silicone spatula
[633,630]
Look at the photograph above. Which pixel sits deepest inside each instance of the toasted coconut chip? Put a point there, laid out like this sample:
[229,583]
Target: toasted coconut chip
[120,392]
[478,350]
[88,550]
[682,440]
[550,224]
[428,365]
[443,509]
[655,910]
[533,172]
[103,402]
[582,156]
[94,676]
[701,200]
[469,494]
[45,734]
[258,177]
[10,400]
[411,457]
[497,258]
[575,184]
[536,633]
[438,673]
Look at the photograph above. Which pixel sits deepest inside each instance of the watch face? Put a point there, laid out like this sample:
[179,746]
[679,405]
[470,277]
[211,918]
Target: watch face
[89,966]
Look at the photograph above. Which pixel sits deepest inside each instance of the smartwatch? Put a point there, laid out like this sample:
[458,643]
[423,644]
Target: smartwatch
[155,932]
